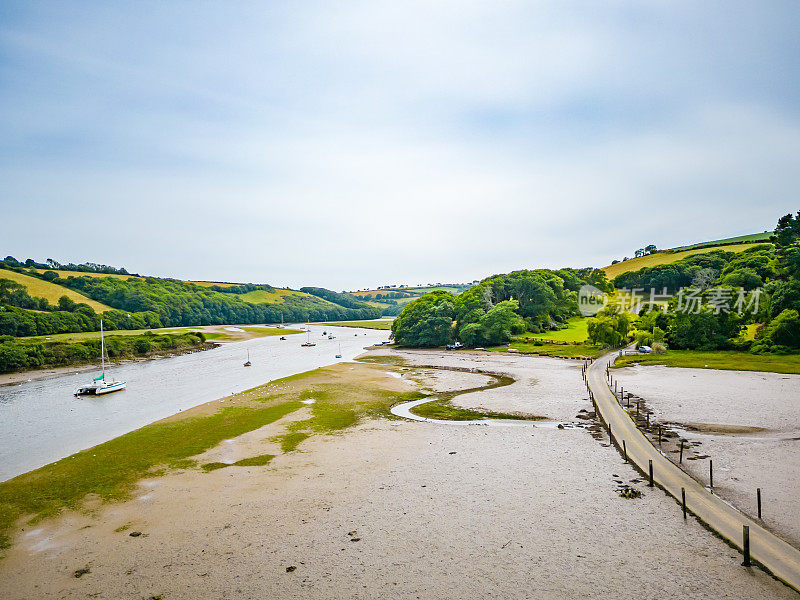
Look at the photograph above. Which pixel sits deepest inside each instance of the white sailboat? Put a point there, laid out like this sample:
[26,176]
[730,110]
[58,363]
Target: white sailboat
[248,363]
[340,351]
[99,384]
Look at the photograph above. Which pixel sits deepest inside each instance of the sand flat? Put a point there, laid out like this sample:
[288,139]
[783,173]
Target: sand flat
[748,423]
[393,509]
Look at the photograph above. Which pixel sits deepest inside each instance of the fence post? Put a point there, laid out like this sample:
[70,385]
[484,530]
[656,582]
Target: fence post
[746,545]
[651,473]
[681,458]
[711,473]
[624,451]
[683,501]
[758,495]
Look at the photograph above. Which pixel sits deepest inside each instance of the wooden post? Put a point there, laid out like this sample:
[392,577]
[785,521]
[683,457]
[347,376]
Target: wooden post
[624,451]
[746,545]
[651,473]
[659,435]
[683,501]
[681,458]
[629,400]
[638,407]
[758,496]
[711,473]
[648,418]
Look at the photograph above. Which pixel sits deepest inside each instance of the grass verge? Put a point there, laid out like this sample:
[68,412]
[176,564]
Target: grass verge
[368,324]
[717,359]
[557,350]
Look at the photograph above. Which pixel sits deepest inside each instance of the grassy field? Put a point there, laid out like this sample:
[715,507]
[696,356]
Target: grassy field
[214,283]
[752,239]
[664,258]
[370,324]
[559,350]
[718,359]
[50,291]
[65,274]
[276,296]
[343,397]
[575,332]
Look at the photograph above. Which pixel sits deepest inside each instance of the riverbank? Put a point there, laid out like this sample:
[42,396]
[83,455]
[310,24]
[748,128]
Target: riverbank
[338,499]
[39,374]
[212,335]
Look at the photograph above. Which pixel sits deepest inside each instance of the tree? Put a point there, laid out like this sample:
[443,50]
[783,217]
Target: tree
[609,327]
[426,322]
[495,327]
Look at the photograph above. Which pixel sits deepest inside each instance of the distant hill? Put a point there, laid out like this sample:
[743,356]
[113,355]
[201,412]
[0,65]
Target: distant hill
[31,301]
[664,257]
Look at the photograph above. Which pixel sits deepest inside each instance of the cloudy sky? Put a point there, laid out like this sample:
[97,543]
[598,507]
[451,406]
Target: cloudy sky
[353,144]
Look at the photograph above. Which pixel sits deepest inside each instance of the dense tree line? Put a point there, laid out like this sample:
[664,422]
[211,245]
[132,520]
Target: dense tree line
[20,355]
[11,263]
[182,303]
[496,308]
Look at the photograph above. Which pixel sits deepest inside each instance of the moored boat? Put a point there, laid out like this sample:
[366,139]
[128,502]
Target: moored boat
[99,384]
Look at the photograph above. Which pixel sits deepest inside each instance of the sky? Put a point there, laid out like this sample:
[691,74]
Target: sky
[355,144]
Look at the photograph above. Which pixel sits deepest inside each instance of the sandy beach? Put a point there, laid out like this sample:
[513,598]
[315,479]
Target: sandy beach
[395,509]
[748,423]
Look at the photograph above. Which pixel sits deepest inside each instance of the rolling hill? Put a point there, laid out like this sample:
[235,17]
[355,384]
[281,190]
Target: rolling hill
[666,257]
[50,291]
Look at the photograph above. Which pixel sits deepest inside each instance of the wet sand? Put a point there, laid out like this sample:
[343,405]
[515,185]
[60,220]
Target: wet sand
[396,509]
[747,423]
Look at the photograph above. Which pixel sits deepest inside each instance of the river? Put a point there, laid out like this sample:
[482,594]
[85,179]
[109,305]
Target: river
[41,421]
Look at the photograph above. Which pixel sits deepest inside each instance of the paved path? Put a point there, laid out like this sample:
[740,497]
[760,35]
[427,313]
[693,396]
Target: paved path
[782,559]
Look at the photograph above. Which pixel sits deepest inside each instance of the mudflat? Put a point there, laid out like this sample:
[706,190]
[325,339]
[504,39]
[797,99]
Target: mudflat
[392,509]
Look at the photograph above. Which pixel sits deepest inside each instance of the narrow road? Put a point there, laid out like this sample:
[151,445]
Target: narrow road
[782,559]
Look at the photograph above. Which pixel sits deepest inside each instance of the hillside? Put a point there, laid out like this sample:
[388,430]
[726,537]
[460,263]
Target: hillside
[667,257]
[752,238]
[50,291]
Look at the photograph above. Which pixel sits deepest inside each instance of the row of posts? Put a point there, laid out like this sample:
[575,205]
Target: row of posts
[745,528]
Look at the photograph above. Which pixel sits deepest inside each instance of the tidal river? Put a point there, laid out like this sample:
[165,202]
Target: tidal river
[41,421]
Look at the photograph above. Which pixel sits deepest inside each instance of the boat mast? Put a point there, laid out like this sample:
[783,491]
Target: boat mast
[102,350]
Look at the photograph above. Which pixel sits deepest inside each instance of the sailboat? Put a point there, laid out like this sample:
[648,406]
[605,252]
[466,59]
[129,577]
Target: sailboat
[308,341]
[99,384]
[340,351]
[248,363]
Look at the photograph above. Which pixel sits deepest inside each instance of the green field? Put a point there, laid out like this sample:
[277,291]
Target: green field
[370,324]
[664,258]
[717,359]
[752,239]
[575,332]
[64,274]
[274,296]
[558,350]
[39,288]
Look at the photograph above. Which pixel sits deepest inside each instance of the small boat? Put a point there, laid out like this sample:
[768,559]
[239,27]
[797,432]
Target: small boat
[308,341]
[340,352]
[99,384]
[283,338]
[331,337]
[248,363]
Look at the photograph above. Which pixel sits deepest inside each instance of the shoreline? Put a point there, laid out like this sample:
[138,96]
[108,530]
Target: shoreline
[7,379]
